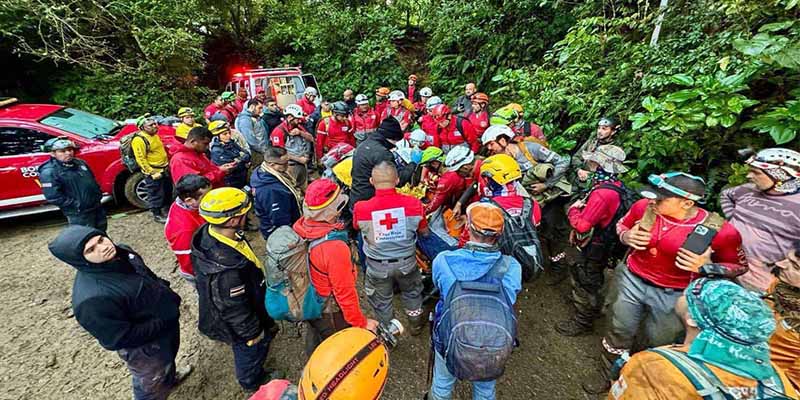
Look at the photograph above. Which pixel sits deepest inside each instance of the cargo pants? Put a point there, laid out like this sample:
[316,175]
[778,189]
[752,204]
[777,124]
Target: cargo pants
[379,285]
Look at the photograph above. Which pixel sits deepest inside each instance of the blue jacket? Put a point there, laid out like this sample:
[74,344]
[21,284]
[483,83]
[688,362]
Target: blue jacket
[252,130]
[467,264]
[121,302]
[223,153]
[274,202]
[72,187]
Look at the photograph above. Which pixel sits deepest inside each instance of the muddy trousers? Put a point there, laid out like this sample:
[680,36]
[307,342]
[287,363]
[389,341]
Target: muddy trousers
[444,382]
[152,366]
[555,231]
[636,302]
[587,279]
[248,363]
[320,329]
[379,287]
[93,219]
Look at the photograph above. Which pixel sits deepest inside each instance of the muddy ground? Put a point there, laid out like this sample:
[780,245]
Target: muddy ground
[44,354]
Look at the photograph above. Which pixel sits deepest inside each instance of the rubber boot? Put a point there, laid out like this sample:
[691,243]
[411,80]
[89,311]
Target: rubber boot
[599,381]
[416,324]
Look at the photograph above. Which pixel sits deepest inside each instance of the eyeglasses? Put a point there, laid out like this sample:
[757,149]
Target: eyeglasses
[660,181]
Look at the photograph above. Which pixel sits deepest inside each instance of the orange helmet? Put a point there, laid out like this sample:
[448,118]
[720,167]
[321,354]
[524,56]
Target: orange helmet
[351,364]
[382,91]
[480,97]
[516,107]
[440,112]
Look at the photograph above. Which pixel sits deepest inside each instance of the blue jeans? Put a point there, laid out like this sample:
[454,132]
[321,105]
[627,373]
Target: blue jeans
[362,257]
[432,245]
[152,366]
[248,363]
[444,381]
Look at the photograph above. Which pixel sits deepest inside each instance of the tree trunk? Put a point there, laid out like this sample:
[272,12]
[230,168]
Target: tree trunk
[662,9]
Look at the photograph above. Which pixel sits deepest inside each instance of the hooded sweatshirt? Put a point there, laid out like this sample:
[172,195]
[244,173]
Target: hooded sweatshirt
[332,269]
[275,203]
[121,302]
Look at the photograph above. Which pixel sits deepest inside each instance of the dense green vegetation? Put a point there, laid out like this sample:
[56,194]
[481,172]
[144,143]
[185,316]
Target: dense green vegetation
[723,74]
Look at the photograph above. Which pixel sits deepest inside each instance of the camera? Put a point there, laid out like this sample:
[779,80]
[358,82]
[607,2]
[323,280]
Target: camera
[389,333]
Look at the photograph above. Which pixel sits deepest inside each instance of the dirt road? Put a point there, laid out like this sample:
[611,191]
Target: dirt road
[44,354]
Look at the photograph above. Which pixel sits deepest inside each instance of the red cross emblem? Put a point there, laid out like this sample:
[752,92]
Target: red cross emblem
[388,221]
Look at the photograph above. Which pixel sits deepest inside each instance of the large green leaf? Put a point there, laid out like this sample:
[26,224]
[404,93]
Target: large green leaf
[789,57]
[727,120]
[782,134]
[682,95]
[649,103]
[754,46]
[775,26]
[682,79]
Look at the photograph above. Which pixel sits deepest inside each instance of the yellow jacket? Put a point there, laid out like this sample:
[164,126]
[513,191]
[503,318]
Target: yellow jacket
[151,156]
[183,130]
[649,376]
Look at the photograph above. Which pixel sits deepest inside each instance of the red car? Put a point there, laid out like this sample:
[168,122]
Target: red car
[25,127]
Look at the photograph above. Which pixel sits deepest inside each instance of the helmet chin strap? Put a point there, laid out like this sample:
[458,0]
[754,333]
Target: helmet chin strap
[782,182]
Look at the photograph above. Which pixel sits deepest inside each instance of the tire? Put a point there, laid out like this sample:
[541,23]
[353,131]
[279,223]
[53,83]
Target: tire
[135,192]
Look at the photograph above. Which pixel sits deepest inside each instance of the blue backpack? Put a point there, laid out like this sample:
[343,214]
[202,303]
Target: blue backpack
[290,294]
[477,328]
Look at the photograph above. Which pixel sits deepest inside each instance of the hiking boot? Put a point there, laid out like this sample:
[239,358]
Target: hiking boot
[555,277]
[416,324]
[158,216]
[596,384]
[572,327]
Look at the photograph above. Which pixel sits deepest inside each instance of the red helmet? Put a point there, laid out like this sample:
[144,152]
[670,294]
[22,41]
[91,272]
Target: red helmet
[480,98]
[440,112]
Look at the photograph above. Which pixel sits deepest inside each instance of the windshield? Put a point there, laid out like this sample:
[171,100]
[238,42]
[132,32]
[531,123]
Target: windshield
[80,123]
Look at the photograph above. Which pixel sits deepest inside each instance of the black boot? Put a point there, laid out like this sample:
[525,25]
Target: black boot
[158,216]
[572,327]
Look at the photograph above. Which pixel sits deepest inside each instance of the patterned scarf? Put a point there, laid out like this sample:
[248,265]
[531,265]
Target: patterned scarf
[787,303]
[601,176]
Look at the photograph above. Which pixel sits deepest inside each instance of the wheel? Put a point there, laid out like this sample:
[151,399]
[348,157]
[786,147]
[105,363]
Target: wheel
[135,192]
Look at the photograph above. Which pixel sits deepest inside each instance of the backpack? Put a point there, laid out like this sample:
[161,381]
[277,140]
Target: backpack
[521,241]
[290,294]
[126,150]
[477,328]
[616,250]
[708,385]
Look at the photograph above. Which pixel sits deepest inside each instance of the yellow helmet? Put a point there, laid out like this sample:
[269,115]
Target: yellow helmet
[220,205]
[185,112]
[219,127]
[343,171]
[351,364]
[502,168]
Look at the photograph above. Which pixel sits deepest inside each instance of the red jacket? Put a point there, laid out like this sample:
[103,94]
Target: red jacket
[186,161]
[230,112]
[447,191]
[182,223]
[532,129]
[598,212]
[429,125]
[210,111]
[479,121]
[307,106]
[411,91]
[379,108]
[450,135]
[332,269]
[657,263]
[364,121]
[331,132]
[240,104]
[403,116]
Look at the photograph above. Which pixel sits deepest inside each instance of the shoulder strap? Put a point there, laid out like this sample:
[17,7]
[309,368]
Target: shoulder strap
[460,123]
[526,128]
[527,208]
[527,153]
[714,221]
[139,135]
[333,235]
[707,384]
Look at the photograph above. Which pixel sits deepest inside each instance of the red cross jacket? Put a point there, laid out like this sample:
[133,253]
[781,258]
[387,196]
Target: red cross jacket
[450,135]
[366,122]
[403,116]
[389,223]
[307,106]
[331,132]
[479,121]
[447,191]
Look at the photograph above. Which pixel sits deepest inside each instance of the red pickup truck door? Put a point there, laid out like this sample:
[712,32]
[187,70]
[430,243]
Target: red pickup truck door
[20,158]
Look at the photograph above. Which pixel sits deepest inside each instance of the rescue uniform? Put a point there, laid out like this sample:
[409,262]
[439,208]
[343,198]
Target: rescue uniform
[402,116]
[380,107]
[389,222]
[182,130]
[295,145]
[479,121]
[187,161]
[182,223]
[523,129]
[364,124]
[451,136]
[73,188]
[331,132]
[307,106]
[151,156]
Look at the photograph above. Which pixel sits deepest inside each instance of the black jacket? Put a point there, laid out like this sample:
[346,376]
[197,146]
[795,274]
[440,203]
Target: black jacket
[371,152]
[223,153]
[230,289]
[72,187]
[271,120]
[121,302]
[275,204]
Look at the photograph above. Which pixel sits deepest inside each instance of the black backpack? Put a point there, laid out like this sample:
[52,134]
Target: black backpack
[521,241]
[616,250]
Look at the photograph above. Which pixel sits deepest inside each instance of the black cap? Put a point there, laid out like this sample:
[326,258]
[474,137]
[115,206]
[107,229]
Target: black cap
[694,186]
[390,129]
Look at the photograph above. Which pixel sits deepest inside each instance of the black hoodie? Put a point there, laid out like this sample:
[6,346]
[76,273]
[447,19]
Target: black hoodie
[120,302]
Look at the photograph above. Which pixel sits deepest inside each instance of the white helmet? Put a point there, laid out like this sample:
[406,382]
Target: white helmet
[396,95]
[426,92]
[493,132]
[417,136]
[458,157]
[362,99]
[294,110]
[432,102]
[310,91]
[781,165]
